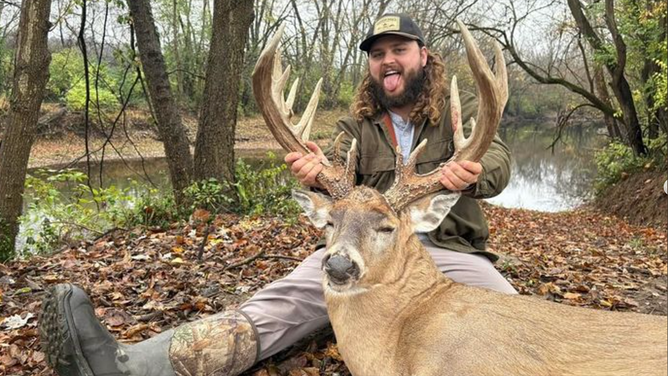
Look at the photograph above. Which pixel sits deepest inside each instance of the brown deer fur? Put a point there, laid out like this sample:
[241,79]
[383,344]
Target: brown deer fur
[402,317]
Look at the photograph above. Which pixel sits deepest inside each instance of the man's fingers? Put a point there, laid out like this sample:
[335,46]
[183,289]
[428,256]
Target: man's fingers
[460,174]
[472,167]
[306,168]
[301,162]
[290,158]
[314,148]
[309,179]
[457,182]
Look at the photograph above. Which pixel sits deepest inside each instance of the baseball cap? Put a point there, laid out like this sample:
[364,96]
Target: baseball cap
[392,24]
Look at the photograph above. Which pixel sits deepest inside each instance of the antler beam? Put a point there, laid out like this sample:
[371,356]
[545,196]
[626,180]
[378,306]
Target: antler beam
[268,86]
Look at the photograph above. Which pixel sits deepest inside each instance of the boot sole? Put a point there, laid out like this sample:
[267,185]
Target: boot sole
[59,343]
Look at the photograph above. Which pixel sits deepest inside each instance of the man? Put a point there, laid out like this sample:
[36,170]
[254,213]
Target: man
[402,100]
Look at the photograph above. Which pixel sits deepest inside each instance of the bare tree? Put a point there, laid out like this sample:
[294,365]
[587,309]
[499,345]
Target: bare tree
[168,118]
[31,74]
[214,148]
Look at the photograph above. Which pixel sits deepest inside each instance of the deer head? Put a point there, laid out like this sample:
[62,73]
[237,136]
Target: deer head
[363,230]
[361,224]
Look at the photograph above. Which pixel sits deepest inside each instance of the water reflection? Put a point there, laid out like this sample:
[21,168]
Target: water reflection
[548,179]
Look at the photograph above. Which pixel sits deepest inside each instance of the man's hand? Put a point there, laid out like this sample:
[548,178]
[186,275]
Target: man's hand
[457,176]
[306,167]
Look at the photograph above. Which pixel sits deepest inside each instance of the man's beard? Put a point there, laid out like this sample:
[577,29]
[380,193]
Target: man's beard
[413,86]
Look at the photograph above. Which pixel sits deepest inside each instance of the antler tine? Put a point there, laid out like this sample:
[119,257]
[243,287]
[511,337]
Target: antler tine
[291,97]
[492,97]
[304,126]
[268,85]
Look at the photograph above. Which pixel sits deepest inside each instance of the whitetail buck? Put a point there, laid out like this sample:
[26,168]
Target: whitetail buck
[395,314]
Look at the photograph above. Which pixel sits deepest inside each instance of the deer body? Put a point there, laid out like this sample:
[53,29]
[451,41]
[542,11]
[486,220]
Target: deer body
[427,325]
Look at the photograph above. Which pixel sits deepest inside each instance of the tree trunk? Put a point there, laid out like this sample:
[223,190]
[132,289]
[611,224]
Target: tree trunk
[602,90]
[214,149]
[170,128]
[620,85]
[30,76]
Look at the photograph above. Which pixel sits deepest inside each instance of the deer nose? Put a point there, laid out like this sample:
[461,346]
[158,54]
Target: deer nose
[340,268]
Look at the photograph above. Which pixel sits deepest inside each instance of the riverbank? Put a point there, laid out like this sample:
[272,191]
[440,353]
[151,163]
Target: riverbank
[144,281]
[139,139]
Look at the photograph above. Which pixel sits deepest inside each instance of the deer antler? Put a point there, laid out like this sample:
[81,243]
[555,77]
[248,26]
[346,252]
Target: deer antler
[492,97]
[268,85]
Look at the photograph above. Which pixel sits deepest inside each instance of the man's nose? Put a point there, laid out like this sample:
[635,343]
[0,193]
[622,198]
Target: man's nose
[389,59]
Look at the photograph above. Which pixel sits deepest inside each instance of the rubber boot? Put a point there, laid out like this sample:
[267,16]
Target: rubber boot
[77,344]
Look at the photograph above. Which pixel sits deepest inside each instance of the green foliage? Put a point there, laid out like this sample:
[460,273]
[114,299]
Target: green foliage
[211,195]
[154,208]
[607,56]
[63,208]
[65,71]
[639,22]
[658,85]
[6,68]
[346,94]
[617,159]
[256,191]
[612,162]
[76,98]
[67,82]
[266,190]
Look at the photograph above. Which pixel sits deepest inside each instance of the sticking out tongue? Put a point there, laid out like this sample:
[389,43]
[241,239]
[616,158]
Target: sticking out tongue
[391,82]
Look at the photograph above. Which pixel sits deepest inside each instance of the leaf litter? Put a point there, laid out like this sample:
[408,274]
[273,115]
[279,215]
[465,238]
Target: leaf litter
[147,280]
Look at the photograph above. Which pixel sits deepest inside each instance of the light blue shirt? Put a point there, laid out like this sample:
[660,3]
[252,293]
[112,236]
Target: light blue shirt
[404,131]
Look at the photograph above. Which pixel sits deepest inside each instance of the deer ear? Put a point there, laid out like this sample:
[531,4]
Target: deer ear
[428,212]
[315,205]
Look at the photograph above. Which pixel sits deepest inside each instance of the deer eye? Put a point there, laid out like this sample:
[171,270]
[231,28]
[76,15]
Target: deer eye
[329,224]
[385,229]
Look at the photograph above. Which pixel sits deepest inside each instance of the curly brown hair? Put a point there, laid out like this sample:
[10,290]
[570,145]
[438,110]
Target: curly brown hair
[430,103]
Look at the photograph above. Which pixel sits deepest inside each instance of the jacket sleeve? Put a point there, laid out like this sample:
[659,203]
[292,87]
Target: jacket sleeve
[495,163]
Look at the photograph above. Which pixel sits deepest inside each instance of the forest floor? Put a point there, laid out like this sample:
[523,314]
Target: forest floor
[144,281]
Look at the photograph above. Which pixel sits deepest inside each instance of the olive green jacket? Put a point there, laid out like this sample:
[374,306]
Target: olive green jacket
[465,228]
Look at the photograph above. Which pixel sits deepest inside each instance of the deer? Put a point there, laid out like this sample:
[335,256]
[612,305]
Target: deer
[393,312]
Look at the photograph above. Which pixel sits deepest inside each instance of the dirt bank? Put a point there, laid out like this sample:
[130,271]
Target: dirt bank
[638,199]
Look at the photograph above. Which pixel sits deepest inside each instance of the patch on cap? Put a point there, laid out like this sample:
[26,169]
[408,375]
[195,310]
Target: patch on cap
[390,23]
